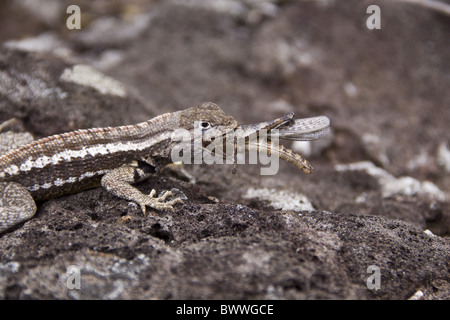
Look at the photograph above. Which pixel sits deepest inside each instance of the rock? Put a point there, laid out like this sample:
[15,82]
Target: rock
[335,234]
[49,92]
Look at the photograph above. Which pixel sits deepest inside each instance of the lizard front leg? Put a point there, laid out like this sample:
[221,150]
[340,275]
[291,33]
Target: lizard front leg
[16,205]
[118,182]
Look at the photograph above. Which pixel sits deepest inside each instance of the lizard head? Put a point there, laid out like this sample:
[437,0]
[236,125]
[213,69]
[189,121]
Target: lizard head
[214,125]
[208,118]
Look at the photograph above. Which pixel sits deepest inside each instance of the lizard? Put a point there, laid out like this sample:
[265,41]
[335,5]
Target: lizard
[118,157]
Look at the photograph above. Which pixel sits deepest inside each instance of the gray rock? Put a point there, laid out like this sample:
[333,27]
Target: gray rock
[385,91]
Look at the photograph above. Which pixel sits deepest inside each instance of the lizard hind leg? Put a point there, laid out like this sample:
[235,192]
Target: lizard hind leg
[16,205]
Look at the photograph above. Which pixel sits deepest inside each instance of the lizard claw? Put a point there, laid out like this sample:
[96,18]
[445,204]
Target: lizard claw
[161,203]
[174,192]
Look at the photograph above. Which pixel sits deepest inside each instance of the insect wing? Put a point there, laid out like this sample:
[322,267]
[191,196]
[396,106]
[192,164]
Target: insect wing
[305,129]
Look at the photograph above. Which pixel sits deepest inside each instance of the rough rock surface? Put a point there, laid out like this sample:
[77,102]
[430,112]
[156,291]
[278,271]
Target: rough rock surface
[381,186]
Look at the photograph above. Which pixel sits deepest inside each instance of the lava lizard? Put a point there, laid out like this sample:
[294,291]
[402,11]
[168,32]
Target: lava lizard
[117,157]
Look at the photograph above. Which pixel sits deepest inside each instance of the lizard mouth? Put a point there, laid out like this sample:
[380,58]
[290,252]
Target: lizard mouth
[264,136]
[245,131]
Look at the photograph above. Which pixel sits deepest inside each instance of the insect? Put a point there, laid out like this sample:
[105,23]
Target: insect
[261,136]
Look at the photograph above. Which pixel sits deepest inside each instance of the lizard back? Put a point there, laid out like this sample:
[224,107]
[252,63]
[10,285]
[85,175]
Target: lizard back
[74,161]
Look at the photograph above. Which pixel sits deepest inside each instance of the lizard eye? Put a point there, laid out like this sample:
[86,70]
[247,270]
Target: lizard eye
[205,125]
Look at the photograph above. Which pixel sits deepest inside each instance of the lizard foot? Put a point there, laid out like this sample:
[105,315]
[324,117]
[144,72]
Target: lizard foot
[164,201]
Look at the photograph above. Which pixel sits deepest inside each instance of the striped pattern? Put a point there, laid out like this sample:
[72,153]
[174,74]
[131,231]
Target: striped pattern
[74,161]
